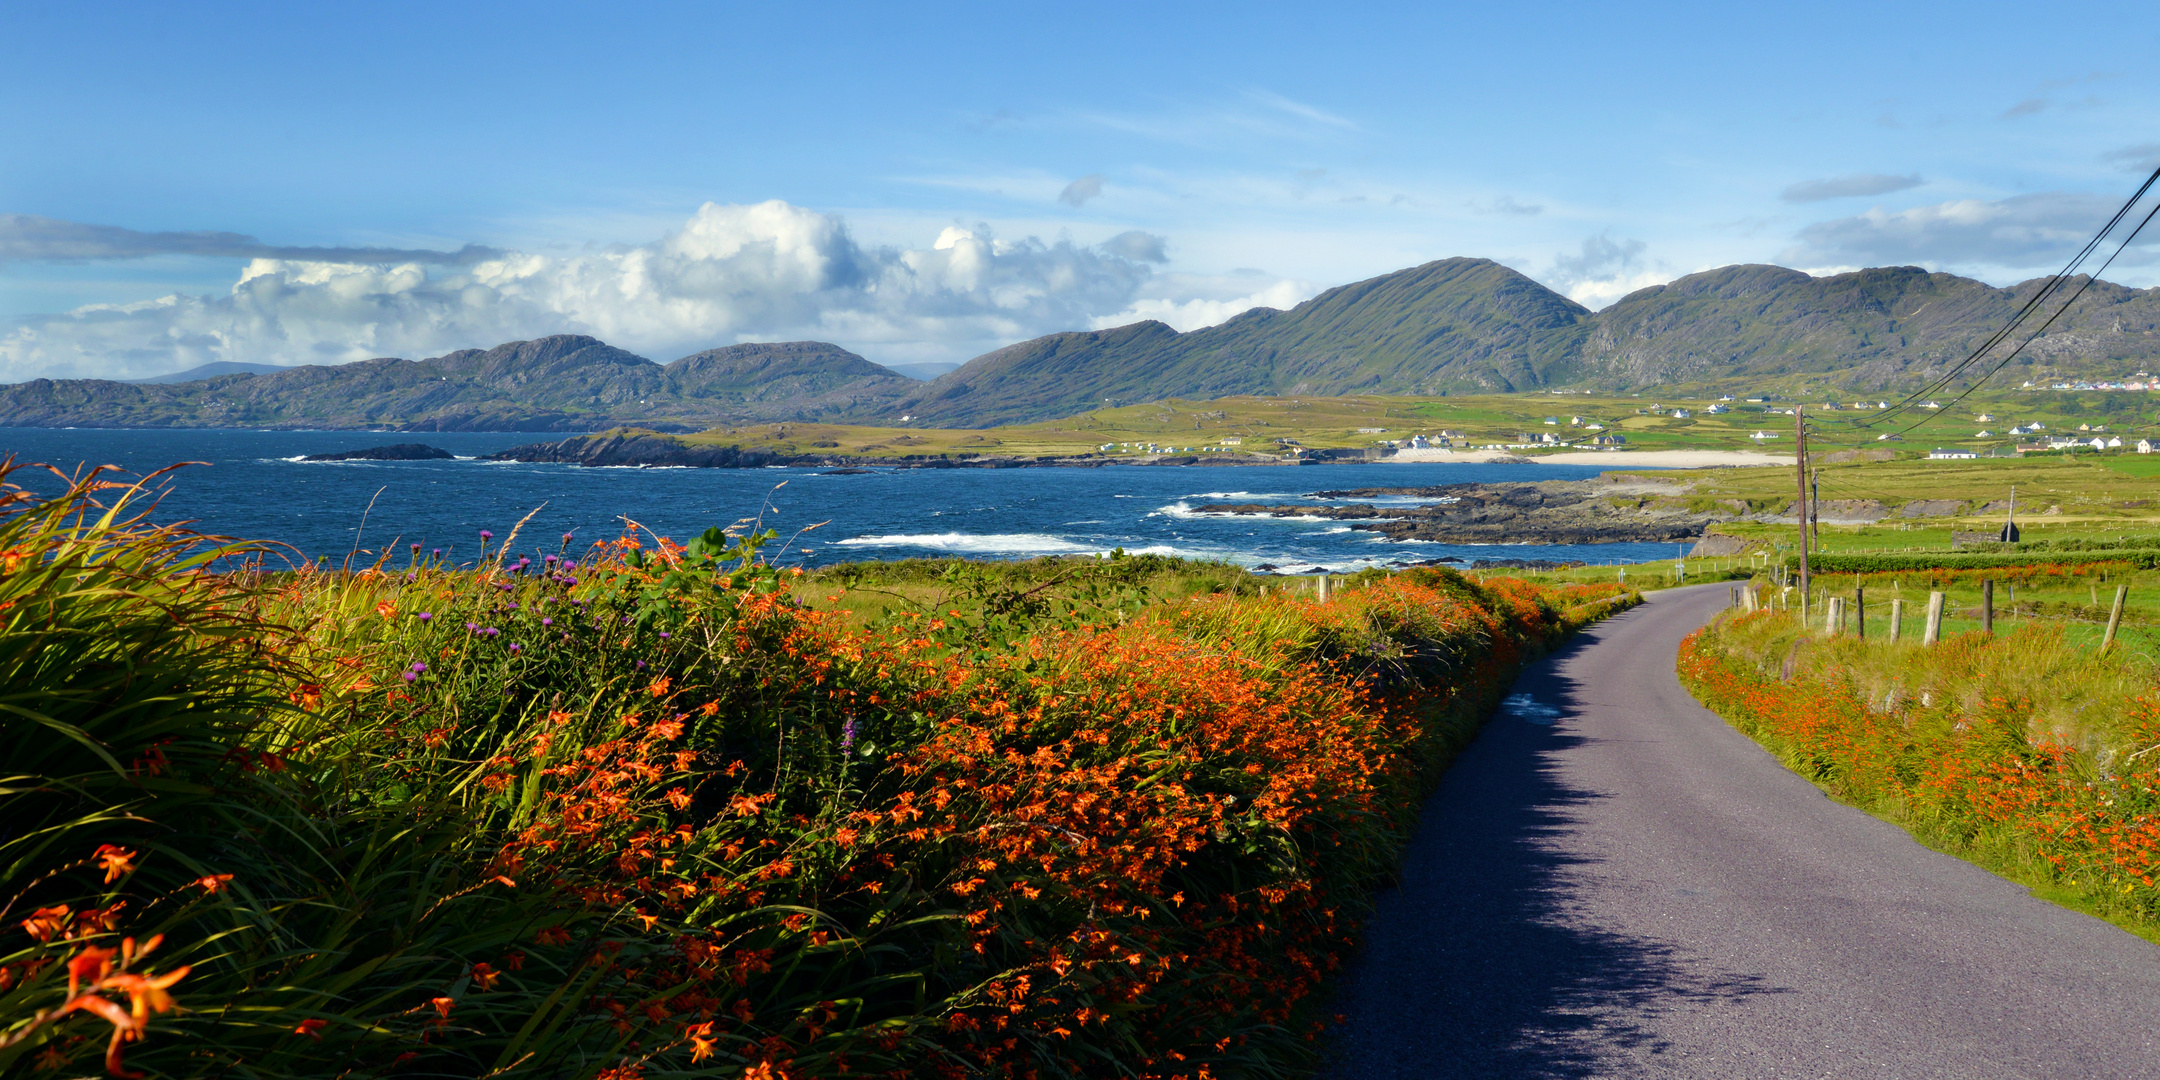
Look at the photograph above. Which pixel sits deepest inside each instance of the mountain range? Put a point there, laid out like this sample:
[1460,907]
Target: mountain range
[1448,327]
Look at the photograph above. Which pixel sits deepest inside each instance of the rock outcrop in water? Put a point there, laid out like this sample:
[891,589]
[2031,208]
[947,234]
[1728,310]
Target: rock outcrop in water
[396,452]
[1544,512]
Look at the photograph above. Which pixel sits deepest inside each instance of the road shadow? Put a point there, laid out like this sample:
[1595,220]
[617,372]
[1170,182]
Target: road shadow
[1476,965]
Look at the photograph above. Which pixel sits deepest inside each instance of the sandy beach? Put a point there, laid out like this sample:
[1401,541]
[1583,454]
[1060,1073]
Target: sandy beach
[1618,459]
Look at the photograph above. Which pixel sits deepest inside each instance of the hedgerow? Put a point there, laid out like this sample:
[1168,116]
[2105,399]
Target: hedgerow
[637,810]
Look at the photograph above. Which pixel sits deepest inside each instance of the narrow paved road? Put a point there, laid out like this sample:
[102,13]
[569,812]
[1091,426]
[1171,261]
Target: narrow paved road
[1612,882]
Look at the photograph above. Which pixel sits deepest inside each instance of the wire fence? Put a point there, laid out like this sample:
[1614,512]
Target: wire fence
[2080,612]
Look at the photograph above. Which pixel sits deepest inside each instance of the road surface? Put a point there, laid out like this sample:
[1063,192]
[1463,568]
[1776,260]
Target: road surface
[1611,882]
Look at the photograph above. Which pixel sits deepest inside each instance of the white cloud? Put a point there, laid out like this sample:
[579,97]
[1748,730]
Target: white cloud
[2023,233]
[1604,271]
[1847,187]
[1191,301]
[766,271]
[1080,191]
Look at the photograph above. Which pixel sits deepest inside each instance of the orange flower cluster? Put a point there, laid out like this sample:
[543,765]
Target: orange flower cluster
[1977,776]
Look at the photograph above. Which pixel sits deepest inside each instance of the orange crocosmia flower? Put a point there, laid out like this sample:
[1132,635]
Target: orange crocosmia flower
[215,882]
[553,935]
[385,610]
[701,1041]
[45,922]
[312,1028]
[678,798]
[442,1005]
[308,696]
[558,717]
[709,708]
[115,861]
[659,687]
[486,976]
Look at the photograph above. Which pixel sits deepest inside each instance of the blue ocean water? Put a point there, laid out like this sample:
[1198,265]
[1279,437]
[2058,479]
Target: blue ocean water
[252,485]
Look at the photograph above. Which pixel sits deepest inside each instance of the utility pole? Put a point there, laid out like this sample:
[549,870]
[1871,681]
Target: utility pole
[1815,505]
[1800,436]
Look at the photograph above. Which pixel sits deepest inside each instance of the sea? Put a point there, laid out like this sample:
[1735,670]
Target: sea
[254,485]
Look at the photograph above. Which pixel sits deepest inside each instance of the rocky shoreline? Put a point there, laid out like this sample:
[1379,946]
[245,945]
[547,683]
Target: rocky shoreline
[656,450]
[1544,512]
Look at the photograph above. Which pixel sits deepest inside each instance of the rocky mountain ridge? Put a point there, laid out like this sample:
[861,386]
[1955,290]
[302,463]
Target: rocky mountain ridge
[1452,326]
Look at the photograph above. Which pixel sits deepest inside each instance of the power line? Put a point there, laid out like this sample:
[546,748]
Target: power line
[2055,284]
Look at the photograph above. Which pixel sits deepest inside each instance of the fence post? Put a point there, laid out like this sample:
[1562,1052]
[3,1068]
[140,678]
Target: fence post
[1897,618]
[1859,612]
[2122,592]
[1933,633]
[1320,587]
[1987,606]
[1833,616]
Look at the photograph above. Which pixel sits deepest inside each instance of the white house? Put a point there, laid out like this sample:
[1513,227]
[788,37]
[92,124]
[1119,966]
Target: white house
[2145,446]
[1983,433]
[2097,443]
[1681,414]
[1762,436]
[1940,454]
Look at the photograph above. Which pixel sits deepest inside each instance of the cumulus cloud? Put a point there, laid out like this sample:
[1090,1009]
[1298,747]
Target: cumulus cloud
[1080,191]
[1604,271]
[31,238]
[729,273]
[1192,301]
[1137,246]
[1846,187]
[2023,231]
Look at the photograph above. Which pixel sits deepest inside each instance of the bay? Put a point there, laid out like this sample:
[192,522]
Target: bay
[253,485]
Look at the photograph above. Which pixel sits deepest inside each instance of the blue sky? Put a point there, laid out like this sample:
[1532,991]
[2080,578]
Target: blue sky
[922,183]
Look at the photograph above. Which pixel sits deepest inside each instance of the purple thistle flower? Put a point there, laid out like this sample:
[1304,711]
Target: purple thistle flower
[438,553]
[486,535]
[426,615]
[419,667]
[492,632]
[847,735]
[515,647]
[473,626]
[409,676]
[416,549]
[566,538]
[547,622]
[664,635]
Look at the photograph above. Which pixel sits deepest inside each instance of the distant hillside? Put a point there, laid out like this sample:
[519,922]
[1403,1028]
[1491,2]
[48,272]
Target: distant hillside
[211,370]
[561,383]
[1471,325]
[1883,328]
[1461,325]
[1449,327]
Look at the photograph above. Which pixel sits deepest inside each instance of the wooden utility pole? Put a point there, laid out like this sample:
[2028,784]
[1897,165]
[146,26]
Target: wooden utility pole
[1800,436]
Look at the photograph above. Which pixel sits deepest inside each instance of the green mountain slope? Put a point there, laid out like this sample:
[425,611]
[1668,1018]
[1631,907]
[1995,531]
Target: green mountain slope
[1882,328]
[1452,326]
[562,383]
[1455,325]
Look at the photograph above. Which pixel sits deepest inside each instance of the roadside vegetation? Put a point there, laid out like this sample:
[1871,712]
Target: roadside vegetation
[2027,751]
[647,809]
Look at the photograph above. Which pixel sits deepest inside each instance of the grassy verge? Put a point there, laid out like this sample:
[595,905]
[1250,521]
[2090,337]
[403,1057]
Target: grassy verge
[2026,753]
[654,810]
